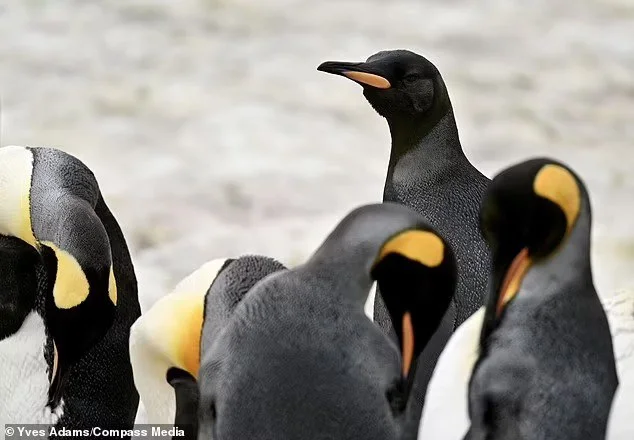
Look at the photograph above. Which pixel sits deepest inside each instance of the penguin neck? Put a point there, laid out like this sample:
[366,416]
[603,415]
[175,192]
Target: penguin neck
[569,269]
[430,146]
[572,262]
[354,287]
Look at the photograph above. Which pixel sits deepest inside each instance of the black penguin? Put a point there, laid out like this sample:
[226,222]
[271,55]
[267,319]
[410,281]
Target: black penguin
[429,172]
[546,368]
[299,358]
[165,342]
[72,273]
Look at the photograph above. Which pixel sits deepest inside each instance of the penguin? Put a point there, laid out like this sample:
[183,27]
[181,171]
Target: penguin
[446,399]
[429,172]
[546,366]
[165,341]
[300,359]
[69,296]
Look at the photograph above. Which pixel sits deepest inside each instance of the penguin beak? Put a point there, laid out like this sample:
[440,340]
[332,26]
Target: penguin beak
[60,373]
[408,343]
[361,73]
[514,276]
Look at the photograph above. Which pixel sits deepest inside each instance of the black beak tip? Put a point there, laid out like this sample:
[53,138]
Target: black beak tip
[326,66]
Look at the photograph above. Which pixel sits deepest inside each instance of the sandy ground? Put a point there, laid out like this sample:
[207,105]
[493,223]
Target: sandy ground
[212,134]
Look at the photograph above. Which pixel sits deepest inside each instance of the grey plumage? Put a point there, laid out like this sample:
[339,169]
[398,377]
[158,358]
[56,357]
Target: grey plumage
[299,358]
[546,368]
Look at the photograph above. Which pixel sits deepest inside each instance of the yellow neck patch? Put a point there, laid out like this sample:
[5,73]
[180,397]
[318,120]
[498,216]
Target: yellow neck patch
[558,185]
[172,327]
[71,285]
[16,168]
[422,246]
[369,78]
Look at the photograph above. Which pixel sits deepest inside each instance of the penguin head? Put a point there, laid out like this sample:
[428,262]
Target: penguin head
[529,212]
[299,358]
[166,342]
[399,84]
[416,273]
[79,310]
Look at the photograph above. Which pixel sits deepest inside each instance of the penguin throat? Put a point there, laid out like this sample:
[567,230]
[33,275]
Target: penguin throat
[434,143]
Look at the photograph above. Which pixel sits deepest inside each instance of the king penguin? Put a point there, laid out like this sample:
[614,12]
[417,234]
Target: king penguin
[544,366]
[68,297]
[165,341]
[300,359]
[429,172]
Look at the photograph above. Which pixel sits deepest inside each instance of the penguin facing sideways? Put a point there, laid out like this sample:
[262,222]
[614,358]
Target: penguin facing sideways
[165,341]
[68,297]
[546,367]
[300,359]
[429,172]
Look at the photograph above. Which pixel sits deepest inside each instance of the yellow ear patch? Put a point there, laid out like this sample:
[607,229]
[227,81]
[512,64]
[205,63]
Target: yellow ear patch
[16,168]
[558,185]
[369,78]
[71,285]
[112,287]
[422,246]
[171,329]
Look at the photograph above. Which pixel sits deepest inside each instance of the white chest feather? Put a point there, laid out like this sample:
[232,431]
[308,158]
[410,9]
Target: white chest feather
[24,380]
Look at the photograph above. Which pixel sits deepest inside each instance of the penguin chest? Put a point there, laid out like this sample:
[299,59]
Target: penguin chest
[24,380]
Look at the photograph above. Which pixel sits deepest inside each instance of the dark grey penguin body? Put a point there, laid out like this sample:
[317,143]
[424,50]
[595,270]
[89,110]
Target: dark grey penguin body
[429,172]
[72,235]
[546,369]
[317,367]
[233,281]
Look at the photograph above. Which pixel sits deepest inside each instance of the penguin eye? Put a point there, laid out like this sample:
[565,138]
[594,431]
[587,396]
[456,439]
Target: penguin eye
[411,78]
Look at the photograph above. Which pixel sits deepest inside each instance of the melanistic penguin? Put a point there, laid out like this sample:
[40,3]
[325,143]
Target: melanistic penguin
[165,341]
[546,368]
[69,296]
[429,172]
[300,359]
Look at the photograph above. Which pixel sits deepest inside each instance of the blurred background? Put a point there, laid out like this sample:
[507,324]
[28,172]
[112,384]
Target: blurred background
[212,134]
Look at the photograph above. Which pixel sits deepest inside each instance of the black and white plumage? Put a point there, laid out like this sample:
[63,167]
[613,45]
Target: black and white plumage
[69,296]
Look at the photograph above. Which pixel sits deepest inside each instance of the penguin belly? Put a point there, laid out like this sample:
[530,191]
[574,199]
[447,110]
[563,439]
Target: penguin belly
[24,379]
